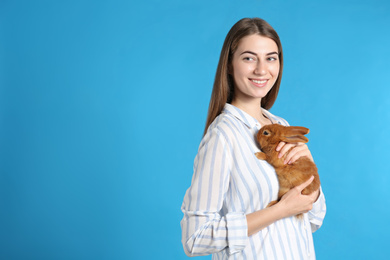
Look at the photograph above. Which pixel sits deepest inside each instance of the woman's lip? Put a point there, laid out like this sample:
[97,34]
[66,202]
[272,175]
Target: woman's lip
[259,82]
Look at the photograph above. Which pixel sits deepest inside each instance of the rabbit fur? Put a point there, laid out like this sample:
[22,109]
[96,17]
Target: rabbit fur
[289,175]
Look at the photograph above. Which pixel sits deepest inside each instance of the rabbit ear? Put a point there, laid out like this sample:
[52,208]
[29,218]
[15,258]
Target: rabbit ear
[293,134]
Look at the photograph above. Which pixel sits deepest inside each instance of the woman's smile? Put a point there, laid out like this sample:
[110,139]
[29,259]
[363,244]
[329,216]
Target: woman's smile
[259,82]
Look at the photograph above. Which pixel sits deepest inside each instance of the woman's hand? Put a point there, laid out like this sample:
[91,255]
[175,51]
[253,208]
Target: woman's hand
[297,150]
[294,202]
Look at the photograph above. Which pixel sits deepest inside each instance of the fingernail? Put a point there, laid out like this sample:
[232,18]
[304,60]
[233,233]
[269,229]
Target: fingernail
[277,149]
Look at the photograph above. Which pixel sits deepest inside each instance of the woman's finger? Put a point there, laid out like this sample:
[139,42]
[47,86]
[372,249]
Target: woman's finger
[297,152]
[285,149]
[302,186]
[280,146]
[293,152]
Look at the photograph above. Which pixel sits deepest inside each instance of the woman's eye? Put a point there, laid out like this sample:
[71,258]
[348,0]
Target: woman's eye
[271,58]
[249,59]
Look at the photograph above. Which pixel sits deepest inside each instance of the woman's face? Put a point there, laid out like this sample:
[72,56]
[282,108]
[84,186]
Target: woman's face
[255,66]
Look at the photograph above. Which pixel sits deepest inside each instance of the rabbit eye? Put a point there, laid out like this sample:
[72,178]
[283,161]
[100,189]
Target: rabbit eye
[265,132]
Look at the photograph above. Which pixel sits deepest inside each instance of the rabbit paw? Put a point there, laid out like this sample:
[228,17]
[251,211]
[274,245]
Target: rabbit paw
[261,156]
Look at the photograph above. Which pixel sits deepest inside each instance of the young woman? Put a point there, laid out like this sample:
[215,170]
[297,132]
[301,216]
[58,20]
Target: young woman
[225,209]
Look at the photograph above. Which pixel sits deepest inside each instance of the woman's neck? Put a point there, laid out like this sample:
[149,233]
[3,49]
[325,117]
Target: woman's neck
[253,108]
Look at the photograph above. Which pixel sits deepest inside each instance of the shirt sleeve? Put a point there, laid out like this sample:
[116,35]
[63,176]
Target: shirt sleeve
[205,230]
[317,214]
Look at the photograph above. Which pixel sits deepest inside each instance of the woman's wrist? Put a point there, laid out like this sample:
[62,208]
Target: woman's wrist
[281,210]
[264,217]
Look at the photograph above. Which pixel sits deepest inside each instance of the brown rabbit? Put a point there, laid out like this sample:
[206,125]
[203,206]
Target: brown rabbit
[289,175]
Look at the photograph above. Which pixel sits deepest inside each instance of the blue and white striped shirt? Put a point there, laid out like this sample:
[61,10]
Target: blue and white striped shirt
[230,182]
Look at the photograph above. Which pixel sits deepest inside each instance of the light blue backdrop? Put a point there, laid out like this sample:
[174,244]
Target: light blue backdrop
[103,104]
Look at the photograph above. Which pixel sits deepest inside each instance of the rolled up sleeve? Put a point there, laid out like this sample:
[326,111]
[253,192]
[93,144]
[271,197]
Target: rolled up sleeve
[216,234]
[237,232]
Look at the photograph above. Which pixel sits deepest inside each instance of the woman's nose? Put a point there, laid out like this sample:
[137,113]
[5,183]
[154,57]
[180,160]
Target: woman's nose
[261,68]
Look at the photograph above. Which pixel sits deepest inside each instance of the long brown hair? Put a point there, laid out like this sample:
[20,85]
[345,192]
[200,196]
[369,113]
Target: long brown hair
[223,89]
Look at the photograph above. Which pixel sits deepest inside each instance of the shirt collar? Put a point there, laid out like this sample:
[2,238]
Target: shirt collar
[247,119]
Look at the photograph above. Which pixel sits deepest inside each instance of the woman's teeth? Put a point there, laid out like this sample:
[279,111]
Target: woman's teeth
[259,81]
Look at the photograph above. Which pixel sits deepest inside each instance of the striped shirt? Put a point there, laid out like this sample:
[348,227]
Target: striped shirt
[230,182]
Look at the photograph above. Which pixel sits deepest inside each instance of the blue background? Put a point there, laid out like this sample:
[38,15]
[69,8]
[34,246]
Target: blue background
[103,105]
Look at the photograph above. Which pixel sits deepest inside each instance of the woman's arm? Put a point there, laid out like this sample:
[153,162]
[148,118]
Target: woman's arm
[292,203]
[204,229]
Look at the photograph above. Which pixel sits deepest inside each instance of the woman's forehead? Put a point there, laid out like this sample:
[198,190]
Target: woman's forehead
[257,44]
